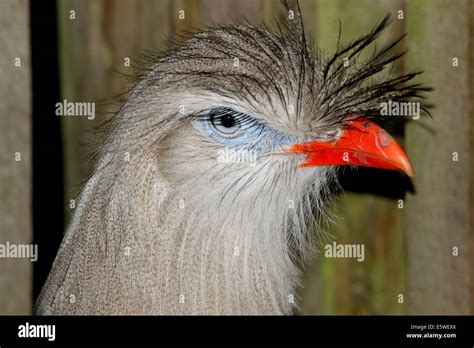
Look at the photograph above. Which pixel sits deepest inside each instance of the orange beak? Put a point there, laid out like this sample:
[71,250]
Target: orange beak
[362,143]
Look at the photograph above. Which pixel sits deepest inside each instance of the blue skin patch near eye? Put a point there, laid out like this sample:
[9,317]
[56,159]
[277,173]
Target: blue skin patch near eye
[241,130]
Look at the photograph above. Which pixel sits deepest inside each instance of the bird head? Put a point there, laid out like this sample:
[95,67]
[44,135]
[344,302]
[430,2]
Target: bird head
[248,113]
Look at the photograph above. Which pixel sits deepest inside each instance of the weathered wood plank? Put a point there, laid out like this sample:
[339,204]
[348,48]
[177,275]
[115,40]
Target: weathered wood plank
[471,183]
[16,275]
[437,216]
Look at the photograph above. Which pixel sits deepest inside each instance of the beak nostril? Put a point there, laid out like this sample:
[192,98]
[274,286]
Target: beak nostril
[327,136]
[384,138]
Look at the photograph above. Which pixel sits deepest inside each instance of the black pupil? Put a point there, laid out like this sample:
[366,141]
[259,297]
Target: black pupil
[228,121]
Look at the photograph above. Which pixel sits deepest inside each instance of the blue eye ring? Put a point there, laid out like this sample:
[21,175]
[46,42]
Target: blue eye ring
[242,130]
[230,127]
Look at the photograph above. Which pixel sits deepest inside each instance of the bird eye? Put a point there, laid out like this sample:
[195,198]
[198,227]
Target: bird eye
[224,123]
[232,127]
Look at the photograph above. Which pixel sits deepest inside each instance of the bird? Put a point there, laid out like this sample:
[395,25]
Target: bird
[219,167]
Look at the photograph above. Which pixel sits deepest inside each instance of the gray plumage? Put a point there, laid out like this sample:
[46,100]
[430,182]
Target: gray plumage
[164,227]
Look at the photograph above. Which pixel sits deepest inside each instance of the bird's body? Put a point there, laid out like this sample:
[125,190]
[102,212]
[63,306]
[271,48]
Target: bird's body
[164,225]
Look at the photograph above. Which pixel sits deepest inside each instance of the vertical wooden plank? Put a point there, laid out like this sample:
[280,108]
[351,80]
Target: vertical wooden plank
[15,139]
[471,148]
[348,286]
[227,11]
[437,216]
